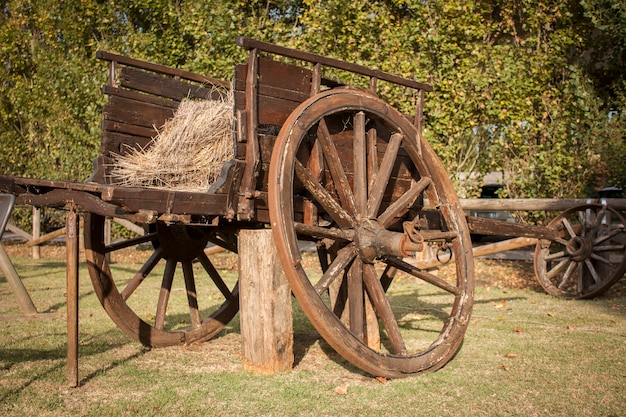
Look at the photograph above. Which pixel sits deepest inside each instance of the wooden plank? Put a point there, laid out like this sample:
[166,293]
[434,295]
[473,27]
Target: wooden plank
[146,98]
[121,144]
[264,306]
[272,110]
[45,238]
[281,88]
[166,201]
[491,227]
[121,109]
[278,79]
[536,204]
[128,129]
[159,85]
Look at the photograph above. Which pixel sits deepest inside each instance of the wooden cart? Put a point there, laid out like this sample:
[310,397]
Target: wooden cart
[320,163]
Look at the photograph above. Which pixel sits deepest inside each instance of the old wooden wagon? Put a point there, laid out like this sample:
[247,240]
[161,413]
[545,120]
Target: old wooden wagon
[320,163]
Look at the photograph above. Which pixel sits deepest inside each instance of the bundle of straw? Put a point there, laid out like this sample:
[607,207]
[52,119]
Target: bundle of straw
[187,153]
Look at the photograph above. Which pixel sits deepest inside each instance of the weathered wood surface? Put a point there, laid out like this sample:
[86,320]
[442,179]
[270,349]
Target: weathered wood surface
[23,299]
[142,96]
[536,204]
[481,226]
[71,294]
[264,305]
[21,294]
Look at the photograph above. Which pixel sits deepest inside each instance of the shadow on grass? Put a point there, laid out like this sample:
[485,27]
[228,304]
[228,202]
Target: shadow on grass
[58,355]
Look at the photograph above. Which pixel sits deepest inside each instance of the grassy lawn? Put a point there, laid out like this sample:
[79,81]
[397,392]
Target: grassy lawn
[525,354]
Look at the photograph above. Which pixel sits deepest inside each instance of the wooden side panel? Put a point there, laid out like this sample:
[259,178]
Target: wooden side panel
[282,87]
[134,112]
[153,83]
[120,143]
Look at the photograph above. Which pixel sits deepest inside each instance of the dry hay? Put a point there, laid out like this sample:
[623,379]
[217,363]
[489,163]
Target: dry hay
[187,153]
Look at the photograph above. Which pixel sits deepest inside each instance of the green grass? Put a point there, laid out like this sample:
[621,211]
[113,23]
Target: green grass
[525,354]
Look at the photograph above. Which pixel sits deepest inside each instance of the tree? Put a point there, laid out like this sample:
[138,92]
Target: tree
[524,87]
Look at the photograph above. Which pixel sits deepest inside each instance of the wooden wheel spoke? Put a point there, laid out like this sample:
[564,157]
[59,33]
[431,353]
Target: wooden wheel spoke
[557,268]
[164,294]
[603,260]
[323,197]
[324,232]
[143,272]
[322,255]
[555,255]
[402,204]
[130,242]
[608,236]
[423,275]
[561,241]
[342,185]
[387,277]
[379,184]
[336,269]
[215,277]
[568,274]
[359,151]
[192,295]
[592,270]
[599,216]
[605,248]
[383,309]
[568,226]
[356,299]
[372,156]
[229,246]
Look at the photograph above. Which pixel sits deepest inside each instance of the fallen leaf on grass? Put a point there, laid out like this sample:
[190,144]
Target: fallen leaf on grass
[571,328]
[550,314]
[517,330]
[381,379]
[511,355]
[341,390]
[506,367]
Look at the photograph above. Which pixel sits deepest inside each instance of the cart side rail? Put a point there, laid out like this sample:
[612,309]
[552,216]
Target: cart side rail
[158,68]
[331,62]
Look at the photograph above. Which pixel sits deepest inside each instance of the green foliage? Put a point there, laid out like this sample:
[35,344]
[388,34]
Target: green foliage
[522,87]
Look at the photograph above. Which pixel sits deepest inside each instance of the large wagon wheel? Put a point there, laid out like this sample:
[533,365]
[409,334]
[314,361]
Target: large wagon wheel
[347,172]
[588,256]
[168,319]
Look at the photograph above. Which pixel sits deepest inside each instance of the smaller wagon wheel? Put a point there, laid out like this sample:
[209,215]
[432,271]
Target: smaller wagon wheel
[587,257]
[349,174]
[195,310]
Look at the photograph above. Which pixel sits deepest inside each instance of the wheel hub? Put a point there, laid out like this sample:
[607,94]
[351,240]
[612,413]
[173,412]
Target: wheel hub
[579,248]
[182,243]
[374,241]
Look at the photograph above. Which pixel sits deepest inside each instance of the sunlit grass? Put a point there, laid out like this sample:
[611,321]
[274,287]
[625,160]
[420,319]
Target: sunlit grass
[525,353]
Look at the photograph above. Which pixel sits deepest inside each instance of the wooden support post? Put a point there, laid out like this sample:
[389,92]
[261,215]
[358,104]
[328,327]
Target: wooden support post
[23,299]
[17,286]
[107,237]
[36,231]
[71,247]
[264,305]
